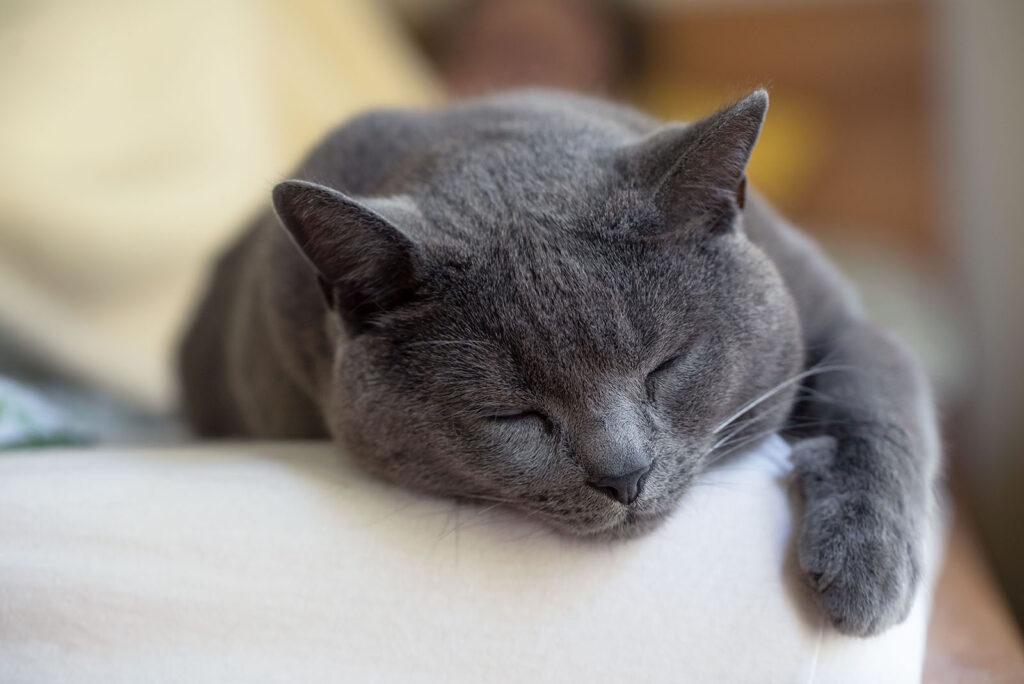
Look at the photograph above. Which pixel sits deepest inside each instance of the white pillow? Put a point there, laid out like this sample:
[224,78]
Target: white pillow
[283,563]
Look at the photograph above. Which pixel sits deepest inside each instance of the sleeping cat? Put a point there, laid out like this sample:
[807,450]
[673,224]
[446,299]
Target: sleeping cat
[556,303]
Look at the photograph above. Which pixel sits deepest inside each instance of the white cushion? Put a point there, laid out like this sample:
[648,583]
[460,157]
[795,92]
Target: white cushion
[283,563]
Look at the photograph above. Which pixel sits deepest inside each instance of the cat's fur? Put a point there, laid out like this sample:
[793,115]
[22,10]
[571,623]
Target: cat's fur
[518,297]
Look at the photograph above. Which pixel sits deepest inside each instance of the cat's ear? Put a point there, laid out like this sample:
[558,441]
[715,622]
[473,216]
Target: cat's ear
[696,171]
[365,259]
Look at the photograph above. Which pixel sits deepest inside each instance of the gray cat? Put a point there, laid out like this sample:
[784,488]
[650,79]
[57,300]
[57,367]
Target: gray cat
[552,301]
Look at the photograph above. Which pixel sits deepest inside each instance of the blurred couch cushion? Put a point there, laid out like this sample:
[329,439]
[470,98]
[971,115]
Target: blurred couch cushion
[136,135]
[284,563]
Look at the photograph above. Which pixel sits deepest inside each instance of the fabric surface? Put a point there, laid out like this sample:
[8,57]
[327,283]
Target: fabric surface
[283,563]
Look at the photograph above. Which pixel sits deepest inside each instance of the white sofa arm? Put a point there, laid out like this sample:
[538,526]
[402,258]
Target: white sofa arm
[283,563]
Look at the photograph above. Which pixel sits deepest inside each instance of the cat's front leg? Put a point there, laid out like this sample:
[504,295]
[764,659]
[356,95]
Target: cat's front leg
[860,539]
[866,481]
[867,476]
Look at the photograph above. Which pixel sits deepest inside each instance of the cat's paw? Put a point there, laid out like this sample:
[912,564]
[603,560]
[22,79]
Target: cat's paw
[861,558]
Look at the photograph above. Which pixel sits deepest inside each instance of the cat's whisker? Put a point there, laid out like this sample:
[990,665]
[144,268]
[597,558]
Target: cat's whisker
[711,457]
[733,439]
[521,507]
[739,427]
[463,524]
[485,497]
[789,426]
[816,396]
[757,401]
[718,485]
[806,392]
[734,446]
[739,444]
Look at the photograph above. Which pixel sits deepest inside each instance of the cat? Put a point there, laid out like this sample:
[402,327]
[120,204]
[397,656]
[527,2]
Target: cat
[555,302]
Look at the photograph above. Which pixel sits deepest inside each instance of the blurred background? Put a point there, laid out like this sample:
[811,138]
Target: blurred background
[136,136]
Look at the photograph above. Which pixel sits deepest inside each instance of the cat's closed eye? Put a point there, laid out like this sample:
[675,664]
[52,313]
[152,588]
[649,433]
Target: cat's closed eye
[663,368]
[510,414]
[514,416]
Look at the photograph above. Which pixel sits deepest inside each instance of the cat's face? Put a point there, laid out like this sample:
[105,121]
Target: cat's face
[528,381]
[579,369]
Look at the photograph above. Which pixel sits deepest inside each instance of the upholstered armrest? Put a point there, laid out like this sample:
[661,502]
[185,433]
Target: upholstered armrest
[282,562]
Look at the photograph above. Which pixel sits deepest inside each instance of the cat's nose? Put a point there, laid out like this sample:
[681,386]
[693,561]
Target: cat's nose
[623,488]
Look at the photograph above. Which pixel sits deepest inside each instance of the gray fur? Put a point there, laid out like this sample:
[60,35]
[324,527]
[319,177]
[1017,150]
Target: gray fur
[570,260]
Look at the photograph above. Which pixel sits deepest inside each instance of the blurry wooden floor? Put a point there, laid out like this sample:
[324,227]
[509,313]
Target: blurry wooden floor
[972,637]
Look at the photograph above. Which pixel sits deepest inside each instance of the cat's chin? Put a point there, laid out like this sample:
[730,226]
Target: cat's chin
[632,524]
[635,524]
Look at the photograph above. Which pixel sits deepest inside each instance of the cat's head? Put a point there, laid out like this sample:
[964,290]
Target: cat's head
[554,320]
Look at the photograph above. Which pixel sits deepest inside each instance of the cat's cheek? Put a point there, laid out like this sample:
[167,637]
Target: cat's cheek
[528,445]
[677,413]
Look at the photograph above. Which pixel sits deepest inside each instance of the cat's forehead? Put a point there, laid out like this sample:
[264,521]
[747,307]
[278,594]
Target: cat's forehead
[550,254]
[516,173]
[569,302]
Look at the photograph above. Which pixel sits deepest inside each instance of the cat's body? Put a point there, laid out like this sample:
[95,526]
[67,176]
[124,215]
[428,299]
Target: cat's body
[547,300]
